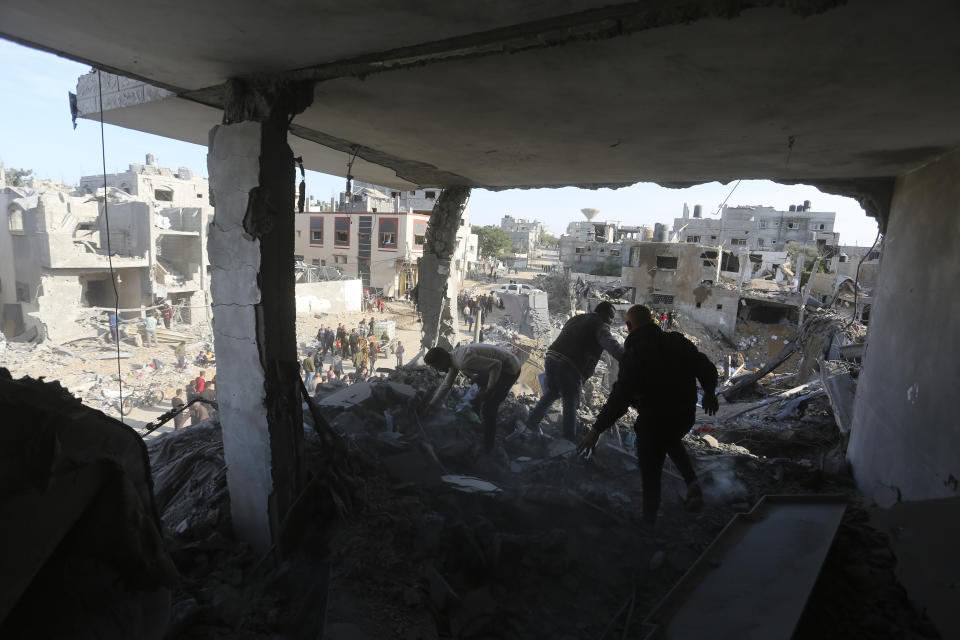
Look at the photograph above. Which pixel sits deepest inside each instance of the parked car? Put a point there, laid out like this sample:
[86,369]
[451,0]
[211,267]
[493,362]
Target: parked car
[517,288]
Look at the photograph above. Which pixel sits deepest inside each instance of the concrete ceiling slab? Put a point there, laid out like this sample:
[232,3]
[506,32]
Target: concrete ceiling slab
[512,94]
[186,44]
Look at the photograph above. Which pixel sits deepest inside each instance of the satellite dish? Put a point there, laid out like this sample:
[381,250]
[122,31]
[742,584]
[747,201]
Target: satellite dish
[590,214]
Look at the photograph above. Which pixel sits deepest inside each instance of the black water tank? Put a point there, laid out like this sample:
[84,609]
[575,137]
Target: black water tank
[697,211]
[793,207]
[806,205]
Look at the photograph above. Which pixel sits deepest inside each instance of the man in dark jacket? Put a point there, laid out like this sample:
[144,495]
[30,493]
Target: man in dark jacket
[658,376]
[571,360]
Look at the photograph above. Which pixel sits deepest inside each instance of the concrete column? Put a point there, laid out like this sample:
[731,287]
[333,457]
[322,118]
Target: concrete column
[250,246]
[437,281]
[905,443]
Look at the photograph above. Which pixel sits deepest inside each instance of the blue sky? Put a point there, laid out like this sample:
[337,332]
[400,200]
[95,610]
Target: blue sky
[36,133]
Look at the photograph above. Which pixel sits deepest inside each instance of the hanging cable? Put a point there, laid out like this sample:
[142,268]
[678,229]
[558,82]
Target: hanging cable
[856,279]
[728,196]
[106,218]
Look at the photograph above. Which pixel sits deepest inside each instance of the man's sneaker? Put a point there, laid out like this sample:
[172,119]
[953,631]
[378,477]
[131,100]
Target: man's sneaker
[694,500]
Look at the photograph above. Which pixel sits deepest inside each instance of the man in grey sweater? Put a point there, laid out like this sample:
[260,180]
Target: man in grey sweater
[492,368]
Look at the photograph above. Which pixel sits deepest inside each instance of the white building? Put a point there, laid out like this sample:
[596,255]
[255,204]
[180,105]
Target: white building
[759,228]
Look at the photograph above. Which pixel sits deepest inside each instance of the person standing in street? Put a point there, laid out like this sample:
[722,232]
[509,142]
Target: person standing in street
[572,359]
[658,375]
[181,418]
[150,326]
[114,321]
[309,370]
[398,351]
[166,311]
[492,368]
[373,351]
[181,352]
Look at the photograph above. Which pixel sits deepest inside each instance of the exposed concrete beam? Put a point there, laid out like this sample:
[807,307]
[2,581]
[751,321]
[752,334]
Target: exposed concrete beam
[419,173]
[592,24]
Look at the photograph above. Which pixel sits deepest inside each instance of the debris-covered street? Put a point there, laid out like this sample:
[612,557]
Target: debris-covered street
[415,532]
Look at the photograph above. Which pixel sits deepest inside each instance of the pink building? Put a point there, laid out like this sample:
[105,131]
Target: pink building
[379,248]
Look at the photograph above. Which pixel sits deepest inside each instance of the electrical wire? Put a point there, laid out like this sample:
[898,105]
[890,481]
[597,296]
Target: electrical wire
[106,218]
[728,196]
[856,279]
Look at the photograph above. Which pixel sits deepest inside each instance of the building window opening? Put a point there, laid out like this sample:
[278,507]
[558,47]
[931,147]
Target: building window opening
[698,305]
[719,307]
[388,233]
[419,233]
[666,262]
[430,195]
[15,219]
[341,232]
[738,242]
[316,230]
[693,239]
[661,298]
[163,195]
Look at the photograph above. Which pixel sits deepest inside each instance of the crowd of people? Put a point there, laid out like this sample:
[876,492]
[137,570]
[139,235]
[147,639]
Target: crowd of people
[360,345]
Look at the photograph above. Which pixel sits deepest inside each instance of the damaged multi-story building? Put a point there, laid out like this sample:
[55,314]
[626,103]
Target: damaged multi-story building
[54,266]
[759,228]
[588,244]
[524,234]
[378,235]
[713,285]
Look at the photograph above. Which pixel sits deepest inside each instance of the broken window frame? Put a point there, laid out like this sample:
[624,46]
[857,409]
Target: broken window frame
[387,237]
[668,262]
[341,232]
[419,233]
[693,239]
[15,220]
[163,194]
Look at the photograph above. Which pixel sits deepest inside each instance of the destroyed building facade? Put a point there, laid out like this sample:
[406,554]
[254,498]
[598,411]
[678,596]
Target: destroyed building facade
[588,244]
[684,277]
[524,234]
[55,272]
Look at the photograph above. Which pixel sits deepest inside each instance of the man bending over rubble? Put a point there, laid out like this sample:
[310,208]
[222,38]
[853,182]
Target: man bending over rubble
[658,376]
[492,368]
[571,359]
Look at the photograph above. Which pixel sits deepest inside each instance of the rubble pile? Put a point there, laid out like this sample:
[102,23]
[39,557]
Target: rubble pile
[439,540]
[557,286]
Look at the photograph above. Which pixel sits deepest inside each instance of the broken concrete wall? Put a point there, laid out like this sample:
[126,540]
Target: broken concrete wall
[130,224]
[530,313]
[904,440]
[343,295]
